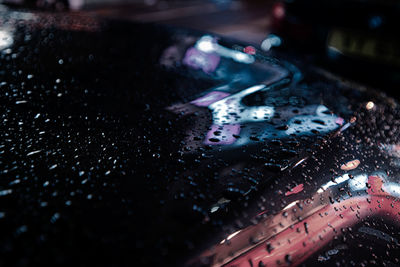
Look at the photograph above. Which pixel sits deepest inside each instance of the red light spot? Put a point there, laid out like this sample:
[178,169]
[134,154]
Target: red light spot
[376,184]
[351,165]
[278,11]
[249,50]
[295,190]
[261,213]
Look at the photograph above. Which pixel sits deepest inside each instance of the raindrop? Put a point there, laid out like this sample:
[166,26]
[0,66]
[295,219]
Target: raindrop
[53,167]
[55,217]
[306,227]
[5,192]
[288,259]
[269,247]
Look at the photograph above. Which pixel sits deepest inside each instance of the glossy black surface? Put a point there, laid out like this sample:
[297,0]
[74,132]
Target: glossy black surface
[106,159]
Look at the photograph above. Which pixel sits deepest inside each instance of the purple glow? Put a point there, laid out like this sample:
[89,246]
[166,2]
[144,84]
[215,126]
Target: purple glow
[197,59]
[225,134]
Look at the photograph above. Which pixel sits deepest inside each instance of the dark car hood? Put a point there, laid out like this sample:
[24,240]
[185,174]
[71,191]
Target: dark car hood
[130,144]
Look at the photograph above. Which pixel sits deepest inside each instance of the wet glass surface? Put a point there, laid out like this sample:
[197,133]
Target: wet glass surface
[126,144]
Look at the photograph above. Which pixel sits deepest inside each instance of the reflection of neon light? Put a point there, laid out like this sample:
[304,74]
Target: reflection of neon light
[370,105]
[208,44]
[359,182]
[309,121]
[351,165]
[6,39]
[290,205]
[297,239]
[299,162]
[393,150]
[229,113]
[196,59]
[295,190]
[209,98]
[347,125]
[271,41]
[392,188]
[226,134]
[230,110]
[336,181]
[230,237]
[308,236]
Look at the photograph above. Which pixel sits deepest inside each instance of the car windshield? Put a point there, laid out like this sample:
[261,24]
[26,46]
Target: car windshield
[185,148]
